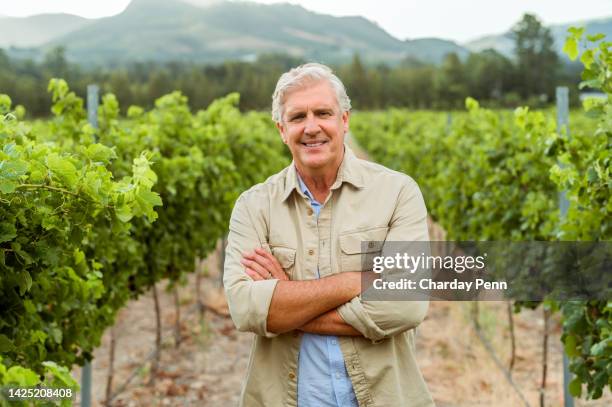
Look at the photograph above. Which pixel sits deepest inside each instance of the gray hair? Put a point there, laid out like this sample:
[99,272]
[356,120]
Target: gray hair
[298,78]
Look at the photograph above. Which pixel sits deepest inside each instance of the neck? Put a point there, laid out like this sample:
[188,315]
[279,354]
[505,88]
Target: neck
[319,182]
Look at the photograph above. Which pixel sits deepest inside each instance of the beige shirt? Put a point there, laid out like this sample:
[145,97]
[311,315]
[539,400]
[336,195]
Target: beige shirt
[368,202]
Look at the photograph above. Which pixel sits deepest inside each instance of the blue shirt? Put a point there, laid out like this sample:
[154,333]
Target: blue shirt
[322,377]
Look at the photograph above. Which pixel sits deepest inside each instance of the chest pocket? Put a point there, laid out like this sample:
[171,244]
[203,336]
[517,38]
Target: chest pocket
[358,248]
[286,258]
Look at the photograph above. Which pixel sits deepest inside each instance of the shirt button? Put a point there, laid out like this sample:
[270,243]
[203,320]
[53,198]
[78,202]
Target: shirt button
[291,375]
[310,252]
[337,375]
[310,211]
[334,342]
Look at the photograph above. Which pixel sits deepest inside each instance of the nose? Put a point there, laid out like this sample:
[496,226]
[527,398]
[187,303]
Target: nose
[311,126]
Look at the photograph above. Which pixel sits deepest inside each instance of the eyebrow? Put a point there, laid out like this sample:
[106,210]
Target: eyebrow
[316,110]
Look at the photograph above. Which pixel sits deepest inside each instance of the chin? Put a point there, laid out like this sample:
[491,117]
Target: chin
[315,163]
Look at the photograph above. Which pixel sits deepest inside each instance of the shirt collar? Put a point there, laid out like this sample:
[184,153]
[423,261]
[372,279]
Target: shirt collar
[349,171]
[303,187]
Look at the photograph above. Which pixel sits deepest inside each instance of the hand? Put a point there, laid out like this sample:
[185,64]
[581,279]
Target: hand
[261,265]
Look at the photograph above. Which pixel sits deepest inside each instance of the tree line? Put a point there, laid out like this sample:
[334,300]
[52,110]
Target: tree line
[494,79]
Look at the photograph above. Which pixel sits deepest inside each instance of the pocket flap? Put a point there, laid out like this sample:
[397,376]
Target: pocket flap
[365,241]
[284,255]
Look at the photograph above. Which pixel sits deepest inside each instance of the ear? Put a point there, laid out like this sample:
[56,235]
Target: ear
[281,131]
[345,121]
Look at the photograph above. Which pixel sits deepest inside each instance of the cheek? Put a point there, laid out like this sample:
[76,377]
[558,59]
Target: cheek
[295,132]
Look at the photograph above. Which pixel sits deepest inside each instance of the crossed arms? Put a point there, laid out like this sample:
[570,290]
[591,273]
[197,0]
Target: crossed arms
[309,306]
[262,299]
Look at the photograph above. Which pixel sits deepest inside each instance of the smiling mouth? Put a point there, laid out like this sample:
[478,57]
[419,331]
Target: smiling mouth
[314,144]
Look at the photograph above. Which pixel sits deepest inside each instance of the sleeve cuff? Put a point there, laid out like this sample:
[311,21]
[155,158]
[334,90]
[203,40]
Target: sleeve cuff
[355,315]
[249,303]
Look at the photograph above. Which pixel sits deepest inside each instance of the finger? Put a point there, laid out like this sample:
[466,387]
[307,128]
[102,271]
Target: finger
[253,265]
[273,265]
[253,274]
[270,258]
[248,255]
[265,262]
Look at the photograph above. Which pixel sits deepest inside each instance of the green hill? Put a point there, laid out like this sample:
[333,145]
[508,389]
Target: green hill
[213,31]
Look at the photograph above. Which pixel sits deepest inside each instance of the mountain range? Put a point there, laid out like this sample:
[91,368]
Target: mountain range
[504,44]
[218,30]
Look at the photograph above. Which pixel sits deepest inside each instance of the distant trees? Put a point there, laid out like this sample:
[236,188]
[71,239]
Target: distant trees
[490,75]
[492,78]
[450,83]
[537,63]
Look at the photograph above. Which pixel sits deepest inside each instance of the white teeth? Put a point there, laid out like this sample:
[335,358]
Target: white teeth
[313,144]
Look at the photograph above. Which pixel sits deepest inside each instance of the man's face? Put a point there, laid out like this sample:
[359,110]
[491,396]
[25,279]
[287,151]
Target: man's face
[313,127]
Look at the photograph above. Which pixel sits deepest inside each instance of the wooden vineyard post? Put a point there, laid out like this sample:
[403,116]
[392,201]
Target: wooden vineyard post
[562,96]
[111,366]
[92,118]
[177,321]
[512,337]
[544,356]
[155,364]
[198,288]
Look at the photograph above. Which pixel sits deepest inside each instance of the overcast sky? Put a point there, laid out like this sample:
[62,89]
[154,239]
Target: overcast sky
[459,20]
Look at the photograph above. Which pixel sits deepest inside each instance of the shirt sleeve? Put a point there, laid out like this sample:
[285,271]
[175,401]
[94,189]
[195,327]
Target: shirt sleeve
[377,320]
[248,300]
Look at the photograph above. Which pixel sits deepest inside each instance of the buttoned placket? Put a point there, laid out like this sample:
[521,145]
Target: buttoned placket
[321,223]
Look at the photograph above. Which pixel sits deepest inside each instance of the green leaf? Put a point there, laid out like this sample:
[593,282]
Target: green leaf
[5,104]
[593,83]
[471,104]
[570,48]
[79,256]
[570,346]
[7,187]
[596,37]
[575,387]
[149,198]
[6,345]
[101,153]
[12,169]
[587,58]
[7,231]
[21,376]
[63,168]
[599,348]
[576,31]
[124,213]
[61,374]
[56,334]
[24,281]
[592,175]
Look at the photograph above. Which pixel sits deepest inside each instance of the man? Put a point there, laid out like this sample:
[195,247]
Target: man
[293,266]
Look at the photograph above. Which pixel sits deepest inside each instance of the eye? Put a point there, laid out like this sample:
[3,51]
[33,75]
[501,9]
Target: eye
[296,117]
[325,113]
